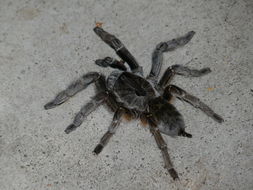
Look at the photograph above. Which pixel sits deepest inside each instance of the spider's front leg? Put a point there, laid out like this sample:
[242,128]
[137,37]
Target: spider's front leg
[162,146]
[110,62]
[157,56]
[111,130]
[73,89]
[119,48]
[196,102]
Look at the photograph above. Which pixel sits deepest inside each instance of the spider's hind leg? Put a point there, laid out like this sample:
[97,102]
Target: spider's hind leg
[111,130]
[73,89]
[194,101]
[162,146]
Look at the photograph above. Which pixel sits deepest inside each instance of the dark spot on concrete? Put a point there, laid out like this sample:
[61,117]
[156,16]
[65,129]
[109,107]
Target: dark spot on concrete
[28,13]
[64,28]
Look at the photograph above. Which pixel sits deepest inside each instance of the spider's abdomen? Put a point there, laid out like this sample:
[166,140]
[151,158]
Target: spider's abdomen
[133,91]
[168,117]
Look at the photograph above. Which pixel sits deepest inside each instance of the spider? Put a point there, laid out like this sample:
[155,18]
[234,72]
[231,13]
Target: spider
[128,93]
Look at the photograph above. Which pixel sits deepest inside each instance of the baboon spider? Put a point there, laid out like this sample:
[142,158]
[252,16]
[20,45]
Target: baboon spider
[128,93]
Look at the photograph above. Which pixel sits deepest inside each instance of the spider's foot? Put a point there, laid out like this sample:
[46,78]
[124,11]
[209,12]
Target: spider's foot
[50,105]
[173,174]
[218,118]
[98,149]
[100,32]
[104,62]
[189,35]
[70,128]
[205,71]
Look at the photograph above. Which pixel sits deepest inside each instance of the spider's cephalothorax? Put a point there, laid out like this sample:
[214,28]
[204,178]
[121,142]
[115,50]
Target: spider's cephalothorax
[127,92]
[133,91]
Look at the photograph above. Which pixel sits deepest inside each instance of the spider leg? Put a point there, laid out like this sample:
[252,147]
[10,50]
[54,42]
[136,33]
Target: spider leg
[119,48]
[100,84]
[111,130]
[181,70]
[95,102]
[72,89]
[110,62]
[111,102]
[162,146]
[157,55]
[194,101]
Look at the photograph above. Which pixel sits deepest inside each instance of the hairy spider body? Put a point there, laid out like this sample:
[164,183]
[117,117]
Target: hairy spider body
[128,93]
[133,91]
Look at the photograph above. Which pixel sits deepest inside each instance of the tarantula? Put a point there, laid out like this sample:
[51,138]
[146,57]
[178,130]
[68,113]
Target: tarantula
[128,93]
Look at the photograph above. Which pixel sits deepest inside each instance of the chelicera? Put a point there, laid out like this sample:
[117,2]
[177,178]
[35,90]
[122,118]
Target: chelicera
[129,93]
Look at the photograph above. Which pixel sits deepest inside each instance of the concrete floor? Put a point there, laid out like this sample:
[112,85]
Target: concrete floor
[45,45]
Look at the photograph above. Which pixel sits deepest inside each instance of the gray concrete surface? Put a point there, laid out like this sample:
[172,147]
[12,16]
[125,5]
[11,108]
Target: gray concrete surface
[45,45]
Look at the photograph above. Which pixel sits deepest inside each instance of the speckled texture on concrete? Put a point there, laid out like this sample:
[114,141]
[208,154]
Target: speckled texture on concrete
[45,45]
